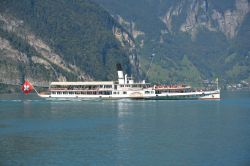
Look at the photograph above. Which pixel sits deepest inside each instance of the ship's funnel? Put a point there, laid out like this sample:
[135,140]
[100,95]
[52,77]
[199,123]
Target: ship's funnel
[120,73]
[119,67]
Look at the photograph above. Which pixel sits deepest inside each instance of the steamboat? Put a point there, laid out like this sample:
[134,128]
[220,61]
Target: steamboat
[125,88]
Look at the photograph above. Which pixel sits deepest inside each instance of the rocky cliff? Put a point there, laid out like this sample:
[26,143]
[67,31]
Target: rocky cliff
[201,13]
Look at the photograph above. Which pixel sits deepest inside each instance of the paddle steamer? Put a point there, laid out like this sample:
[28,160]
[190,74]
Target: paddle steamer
[125,88]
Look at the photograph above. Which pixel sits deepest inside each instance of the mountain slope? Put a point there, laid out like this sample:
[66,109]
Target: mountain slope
[61,40]
[212,35]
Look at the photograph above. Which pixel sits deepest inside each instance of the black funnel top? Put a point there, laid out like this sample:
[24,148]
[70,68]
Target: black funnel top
[119,67]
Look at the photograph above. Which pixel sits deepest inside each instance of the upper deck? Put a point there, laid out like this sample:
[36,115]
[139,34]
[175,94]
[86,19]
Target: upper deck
[175,87]
[81,86]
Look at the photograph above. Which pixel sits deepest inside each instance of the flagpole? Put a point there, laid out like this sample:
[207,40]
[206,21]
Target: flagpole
[217,80]
[35,90]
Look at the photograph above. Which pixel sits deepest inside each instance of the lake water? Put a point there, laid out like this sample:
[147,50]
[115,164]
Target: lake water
[125,132]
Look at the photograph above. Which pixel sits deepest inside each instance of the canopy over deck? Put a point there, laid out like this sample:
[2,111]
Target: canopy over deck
[82,83]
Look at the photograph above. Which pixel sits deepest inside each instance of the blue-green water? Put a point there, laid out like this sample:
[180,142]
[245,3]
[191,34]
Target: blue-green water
[124,132]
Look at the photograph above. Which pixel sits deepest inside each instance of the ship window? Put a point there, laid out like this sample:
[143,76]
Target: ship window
[65,93]
[107,86]
[124,93]
[71,93]
[147,92]
[53,93]
[58,93]
[107,92]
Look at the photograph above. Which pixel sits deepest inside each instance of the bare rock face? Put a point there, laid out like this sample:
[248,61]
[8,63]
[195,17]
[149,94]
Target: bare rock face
[45,57]
[9,71]
[230,20]
[127,38]
[173,11]
[8,51]
[13,25]
[197,16]
[130,27]
[202,14]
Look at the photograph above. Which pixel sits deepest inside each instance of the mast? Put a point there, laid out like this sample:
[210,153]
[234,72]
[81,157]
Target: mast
[217,82]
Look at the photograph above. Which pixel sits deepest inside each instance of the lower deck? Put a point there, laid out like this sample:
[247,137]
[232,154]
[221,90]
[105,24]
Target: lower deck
[142,94]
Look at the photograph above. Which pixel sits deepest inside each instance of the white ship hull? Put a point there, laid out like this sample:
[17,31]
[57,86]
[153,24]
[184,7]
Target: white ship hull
[205,95]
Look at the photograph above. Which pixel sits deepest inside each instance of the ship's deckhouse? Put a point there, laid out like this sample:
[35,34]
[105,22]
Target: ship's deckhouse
[82,88]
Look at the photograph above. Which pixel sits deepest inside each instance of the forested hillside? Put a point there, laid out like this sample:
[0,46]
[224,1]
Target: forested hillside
[191,40]
[45,40]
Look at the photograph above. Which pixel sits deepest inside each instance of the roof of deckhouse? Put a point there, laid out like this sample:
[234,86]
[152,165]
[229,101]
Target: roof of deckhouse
[83,83]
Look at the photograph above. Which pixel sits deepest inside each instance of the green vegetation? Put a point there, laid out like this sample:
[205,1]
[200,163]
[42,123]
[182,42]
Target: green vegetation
[223,5]
[179,57]
[78,30]
[9,88]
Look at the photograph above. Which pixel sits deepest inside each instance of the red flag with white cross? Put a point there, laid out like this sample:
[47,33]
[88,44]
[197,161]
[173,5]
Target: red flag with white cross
[27,87]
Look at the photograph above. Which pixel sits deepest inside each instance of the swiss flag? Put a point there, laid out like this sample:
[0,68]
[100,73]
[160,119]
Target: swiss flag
[26,87]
